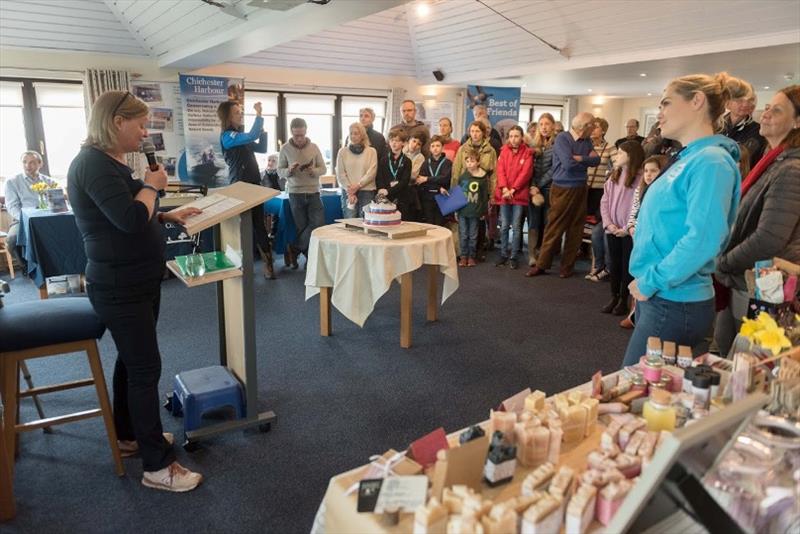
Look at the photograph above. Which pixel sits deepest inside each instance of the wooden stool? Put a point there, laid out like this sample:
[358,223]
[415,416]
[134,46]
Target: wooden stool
[45,328]
[7,253]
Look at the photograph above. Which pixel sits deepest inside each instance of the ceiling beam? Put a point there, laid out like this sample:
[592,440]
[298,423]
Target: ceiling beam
[559,63]
[266,28]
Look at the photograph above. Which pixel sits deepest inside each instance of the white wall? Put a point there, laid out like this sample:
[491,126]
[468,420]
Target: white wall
[617,111]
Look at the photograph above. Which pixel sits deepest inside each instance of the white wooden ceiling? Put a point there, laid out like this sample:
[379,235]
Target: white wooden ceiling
[78,25]
[378,44]
[462,38]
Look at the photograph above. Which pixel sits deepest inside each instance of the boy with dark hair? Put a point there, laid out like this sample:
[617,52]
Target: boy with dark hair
[434,178]
[394,175]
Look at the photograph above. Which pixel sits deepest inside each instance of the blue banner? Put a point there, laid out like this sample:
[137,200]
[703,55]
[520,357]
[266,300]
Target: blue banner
[502,105]
[200,97]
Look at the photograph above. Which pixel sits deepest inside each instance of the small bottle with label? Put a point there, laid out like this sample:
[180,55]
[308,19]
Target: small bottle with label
[688,374]
[658,411]
[684,356]
[653,349]
[669,353]
[652,369]
[701,389]
[715,379]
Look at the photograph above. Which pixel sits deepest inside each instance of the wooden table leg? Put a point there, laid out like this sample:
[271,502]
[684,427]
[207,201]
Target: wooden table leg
[43,291]
[7,508]
[325,311]
[406,282]
[433,282]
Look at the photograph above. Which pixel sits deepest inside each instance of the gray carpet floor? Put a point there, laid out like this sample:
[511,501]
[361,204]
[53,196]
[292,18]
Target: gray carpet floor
[338,399]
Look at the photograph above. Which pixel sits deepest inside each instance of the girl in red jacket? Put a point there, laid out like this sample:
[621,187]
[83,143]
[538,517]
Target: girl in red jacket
[514,171]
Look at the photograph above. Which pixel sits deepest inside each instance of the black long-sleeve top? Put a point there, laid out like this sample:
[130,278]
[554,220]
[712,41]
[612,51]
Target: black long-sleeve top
[439,173]
[399,193]
[124,245]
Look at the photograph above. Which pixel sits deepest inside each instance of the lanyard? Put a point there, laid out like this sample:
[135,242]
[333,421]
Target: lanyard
[399,166]
[441,162]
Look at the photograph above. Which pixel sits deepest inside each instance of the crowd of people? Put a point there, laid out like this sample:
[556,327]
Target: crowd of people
[677,217]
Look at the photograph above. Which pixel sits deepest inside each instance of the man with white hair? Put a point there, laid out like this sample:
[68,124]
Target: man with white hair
[573,154]
[20,195]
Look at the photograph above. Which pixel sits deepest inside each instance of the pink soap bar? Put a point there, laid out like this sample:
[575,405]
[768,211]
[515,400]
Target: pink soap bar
[790,288]
[606,509]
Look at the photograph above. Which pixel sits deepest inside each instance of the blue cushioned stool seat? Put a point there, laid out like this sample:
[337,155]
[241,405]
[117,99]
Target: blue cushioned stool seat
[48,322]
[201,390]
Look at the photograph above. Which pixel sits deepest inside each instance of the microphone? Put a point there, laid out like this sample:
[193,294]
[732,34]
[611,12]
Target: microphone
[149,150]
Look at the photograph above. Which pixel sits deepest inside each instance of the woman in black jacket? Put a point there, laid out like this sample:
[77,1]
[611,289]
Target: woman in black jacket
[768,222]
[239,148]
[119,220]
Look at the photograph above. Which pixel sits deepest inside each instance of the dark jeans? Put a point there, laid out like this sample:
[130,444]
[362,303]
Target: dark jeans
[131,314]
[468,235]
[537,215]
[600,251]
[430,209]
[511,219]
[363,198]
[619,252]
[308,214]
[260,233]
[685,323]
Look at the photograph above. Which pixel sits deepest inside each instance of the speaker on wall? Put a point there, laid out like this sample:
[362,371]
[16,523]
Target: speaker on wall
[439,75]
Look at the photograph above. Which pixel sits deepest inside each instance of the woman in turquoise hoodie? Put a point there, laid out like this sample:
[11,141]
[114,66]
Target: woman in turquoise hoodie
[685,219]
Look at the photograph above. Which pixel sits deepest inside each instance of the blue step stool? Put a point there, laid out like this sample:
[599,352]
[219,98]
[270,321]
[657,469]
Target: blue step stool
[200,390]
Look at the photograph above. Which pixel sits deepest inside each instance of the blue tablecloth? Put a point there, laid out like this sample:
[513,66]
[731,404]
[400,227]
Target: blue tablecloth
[51,244]
[287,231]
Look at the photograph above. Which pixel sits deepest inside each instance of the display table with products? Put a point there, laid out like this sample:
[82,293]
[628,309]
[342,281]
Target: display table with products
[675,476]
[352,270]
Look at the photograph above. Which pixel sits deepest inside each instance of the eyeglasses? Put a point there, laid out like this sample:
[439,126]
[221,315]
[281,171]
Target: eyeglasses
[116,108]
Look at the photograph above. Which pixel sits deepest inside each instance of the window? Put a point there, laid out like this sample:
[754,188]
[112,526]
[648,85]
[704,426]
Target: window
[350,108]
[12,131]
[318,112]
[63,124]
[46,116]
[555,111]
[525,116]
[269,110]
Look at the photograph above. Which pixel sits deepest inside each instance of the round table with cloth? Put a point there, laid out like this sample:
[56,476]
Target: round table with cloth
[352,270]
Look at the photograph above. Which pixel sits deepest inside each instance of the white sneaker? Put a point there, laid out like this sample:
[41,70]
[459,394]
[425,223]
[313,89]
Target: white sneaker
[174,477]
[131,448]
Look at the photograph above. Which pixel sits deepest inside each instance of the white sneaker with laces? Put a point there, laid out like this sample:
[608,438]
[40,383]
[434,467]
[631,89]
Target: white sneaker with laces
[174,477]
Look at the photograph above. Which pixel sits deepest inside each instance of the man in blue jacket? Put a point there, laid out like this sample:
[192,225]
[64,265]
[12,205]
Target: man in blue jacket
[573,154]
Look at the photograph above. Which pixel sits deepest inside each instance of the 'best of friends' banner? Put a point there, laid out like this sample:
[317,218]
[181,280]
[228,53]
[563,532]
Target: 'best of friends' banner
[502,105]
[200,96]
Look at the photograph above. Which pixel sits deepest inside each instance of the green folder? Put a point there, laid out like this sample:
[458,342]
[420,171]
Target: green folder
[214,261]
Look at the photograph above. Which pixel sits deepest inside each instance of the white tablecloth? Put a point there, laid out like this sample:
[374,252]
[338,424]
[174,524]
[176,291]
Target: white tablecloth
[361,267]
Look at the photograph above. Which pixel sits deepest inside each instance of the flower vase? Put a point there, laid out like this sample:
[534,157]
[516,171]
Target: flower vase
[42,201]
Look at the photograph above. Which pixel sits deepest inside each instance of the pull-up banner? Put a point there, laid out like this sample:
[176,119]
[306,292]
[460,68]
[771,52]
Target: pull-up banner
[502,105]
[201,96]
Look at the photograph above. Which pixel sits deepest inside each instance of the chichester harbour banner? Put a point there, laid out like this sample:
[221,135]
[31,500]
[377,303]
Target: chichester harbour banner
[200,96]
[502,104]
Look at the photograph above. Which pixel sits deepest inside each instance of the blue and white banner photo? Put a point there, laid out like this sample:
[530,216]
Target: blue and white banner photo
[502,105]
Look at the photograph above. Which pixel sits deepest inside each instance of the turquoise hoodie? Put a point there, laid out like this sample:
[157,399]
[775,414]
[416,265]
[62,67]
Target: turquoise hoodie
[685,221]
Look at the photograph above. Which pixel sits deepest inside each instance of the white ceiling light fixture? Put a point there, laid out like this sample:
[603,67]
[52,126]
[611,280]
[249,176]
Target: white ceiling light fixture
[589,90]
[649,94]
[423,9]
[643,74]
[766,87]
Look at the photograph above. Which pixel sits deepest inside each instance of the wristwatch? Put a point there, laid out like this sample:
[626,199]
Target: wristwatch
[148,186]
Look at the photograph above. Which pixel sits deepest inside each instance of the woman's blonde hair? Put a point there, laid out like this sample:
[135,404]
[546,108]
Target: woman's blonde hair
[538,140]
[363,131]
[718,89]
[101,132]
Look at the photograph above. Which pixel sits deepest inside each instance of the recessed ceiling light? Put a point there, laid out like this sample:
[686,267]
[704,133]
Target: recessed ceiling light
[643,75]
[423,9]
[649,94]
[589,90]
[766,87]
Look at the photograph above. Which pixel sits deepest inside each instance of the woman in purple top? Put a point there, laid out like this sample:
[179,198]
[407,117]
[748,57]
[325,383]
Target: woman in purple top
[615,206]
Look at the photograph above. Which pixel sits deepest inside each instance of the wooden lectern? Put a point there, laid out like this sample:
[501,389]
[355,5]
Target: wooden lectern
[227,211]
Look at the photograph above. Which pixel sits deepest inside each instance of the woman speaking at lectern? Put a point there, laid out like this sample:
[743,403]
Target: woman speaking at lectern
[119,220]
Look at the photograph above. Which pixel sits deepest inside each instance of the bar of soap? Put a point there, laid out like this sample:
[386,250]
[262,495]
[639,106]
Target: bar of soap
[538,478]
[503,422]
[554,449]
[464,524]
[430,518]
[532,445]
[648,446]
[574,424]
[561,485]
[535,401]
[628,429]
[580,510]
[501,519]
[544,517]
[635,442]
[591,416]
